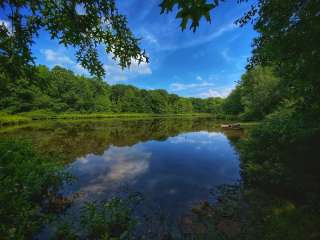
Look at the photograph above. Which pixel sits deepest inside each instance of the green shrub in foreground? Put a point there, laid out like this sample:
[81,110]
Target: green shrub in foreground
[29,184]
[281,152]
[113,219]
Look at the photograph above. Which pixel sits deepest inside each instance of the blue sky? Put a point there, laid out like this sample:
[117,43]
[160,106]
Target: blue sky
[206,63]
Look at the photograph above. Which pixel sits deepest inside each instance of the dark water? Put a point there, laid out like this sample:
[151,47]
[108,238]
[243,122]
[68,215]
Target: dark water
[172,162]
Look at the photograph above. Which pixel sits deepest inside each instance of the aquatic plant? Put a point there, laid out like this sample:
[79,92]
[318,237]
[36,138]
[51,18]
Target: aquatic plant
[29,183]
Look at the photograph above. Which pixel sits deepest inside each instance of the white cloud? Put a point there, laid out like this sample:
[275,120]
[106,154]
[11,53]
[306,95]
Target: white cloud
[57,58]
[196,139]
[182,86]
[80,70]
[142,68]
[215,92]
[149,37]
[117,166]
[114,73]
[226,56]
[199,78]
[238,62]
[200,40]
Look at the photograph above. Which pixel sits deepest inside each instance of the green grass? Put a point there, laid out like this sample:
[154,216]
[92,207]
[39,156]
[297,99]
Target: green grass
[40,115]
[22,118]
[6,119]
[248,125]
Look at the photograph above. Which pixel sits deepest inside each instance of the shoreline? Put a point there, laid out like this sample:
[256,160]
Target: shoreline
[24,118]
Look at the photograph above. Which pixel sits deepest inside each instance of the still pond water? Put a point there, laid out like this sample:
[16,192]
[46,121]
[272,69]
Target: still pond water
[173,162]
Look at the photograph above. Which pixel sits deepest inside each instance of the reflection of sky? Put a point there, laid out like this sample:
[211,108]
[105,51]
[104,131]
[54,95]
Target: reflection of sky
[198,138]
[171,173]
[117,165]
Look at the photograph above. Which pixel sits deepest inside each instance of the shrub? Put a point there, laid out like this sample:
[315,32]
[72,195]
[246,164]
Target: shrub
[281,152]
[29,183]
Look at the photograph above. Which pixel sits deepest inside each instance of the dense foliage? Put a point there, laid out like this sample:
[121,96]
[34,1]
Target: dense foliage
[284,142]
[85,25]
[256,95]
[60,90]
[112,219]
[29,189]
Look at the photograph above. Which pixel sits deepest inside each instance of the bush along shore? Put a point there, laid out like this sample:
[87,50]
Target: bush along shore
[23,118]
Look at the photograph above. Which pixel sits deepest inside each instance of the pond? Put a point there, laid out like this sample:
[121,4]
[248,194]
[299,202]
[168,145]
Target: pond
[172,162]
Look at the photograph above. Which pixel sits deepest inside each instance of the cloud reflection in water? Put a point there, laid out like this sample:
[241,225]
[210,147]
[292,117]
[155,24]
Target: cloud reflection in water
[117,166]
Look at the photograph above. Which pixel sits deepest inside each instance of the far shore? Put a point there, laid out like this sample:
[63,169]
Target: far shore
[7,120]
[22,118]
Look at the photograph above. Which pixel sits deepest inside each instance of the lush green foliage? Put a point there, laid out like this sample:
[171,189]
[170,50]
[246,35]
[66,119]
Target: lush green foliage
[82,24]
[110,220]
[282,152]
[256,95]
[59,90]
[251,214]
[282,148]
[192,10]
[29,189]
[6,119]
[289,41]
[233,104]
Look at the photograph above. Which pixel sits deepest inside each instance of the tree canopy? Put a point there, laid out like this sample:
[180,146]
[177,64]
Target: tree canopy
[84,25]
[60,90]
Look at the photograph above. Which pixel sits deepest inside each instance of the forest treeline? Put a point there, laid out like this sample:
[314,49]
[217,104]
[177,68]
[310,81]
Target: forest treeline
[60,90]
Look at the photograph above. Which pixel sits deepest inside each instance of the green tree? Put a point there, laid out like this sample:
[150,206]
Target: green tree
[260,93]
[159,101]
[288,40]
[192,10]
[84,25]
[232,104]
[183,105]
[214,105]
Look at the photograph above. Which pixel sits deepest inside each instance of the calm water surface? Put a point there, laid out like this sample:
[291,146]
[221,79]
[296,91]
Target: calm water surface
[172,162]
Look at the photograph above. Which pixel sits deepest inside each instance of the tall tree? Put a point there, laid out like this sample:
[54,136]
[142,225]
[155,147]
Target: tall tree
[289,40]
[260,92]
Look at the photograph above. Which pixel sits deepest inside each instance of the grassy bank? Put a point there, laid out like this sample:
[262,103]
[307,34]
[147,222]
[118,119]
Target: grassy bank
[22,118]
[6,119]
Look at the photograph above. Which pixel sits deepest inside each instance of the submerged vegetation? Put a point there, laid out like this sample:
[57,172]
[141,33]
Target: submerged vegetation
[29,184]
[112,219]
